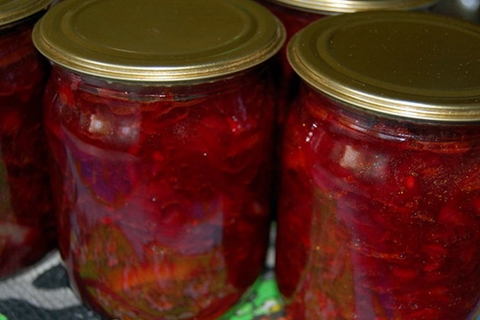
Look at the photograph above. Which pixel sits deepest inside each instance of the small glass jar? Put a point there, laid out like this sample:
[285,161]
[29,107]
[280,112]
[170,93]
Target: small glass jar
[297,14]
[379,214]
[27,229]
[160,119]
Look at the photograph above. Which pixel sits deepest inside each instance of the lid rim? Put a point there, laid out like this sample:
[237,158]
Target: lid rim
[260,36]
[377,104]
[350,6]
[308,48]
[15,11]
[159,73]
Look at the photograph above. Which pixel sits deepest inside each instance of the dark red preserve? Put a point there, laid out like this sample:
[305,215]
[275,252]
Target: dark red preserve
[27,230]
[163,196]
[162,151]
[379,216]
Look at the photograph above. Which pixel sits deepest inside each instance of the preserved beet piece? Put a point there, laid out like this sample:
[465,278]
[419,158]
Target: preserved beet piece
[379,215]
[27,228]
[164,198]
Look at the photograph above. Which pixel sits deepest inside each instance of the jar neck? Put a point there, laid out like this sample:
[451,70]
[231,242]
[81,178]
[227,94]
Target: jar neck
[150,91]
[356,121]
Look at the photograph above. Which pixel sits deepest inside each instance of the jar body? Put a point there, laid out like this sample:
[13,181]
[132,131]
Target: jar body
[27,229]
[379,218]
[163,191]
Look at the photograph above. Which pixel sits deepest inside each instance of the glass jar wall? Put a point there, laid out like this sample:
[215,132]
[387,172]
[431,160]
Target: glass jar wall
[27,229]
[378,214]
[162,157]
[164,191]
[382,217]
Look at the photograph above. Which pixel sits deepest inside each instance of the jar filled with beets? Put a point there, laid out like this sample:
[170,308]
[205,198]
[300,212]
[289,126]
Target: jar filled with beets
[297,14]
[379,214]
[160,116]
[27,228]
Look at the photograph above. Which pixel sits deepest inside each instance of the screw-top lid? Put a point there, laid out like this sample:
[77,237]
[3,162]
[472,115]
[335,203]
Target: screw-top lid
[346,6]
[15,10]
[415,65]
[158,40]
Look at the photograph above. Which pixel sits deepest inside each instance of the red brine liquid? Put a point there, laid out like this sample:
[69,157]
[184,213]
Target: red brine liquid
[379,218]
[27,229]
[163,192]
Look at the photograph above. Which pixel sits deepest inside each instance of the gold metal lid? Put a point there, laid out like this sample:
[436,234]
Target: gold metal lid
[408,64]
[158,40]
[15,10]
[346,6]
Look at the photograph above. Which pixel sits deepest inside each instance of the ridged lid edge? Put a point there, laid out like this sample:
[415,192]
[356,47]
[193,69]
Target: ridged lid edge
[267,42]
[320,69]
[349,6]
[13,11]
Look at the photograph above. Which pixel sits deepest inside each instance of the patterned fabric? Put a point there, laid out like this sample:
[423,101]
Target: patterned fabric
[42,293]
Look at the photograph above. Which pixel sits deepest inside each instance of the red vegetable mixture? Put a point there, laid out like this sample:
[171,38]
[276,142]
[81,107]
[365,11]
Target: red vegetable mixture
[27,229]
[378,219]
[163,192]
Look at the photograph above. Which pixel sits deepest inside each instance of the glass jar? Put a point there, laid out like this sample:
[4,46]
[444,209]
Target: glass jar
[27,229]
[379,214]
[161,131]
[297,14]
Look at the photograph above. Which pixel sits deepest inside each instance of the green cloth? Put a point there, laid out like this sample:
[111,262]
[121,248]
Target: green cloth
[262,300]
